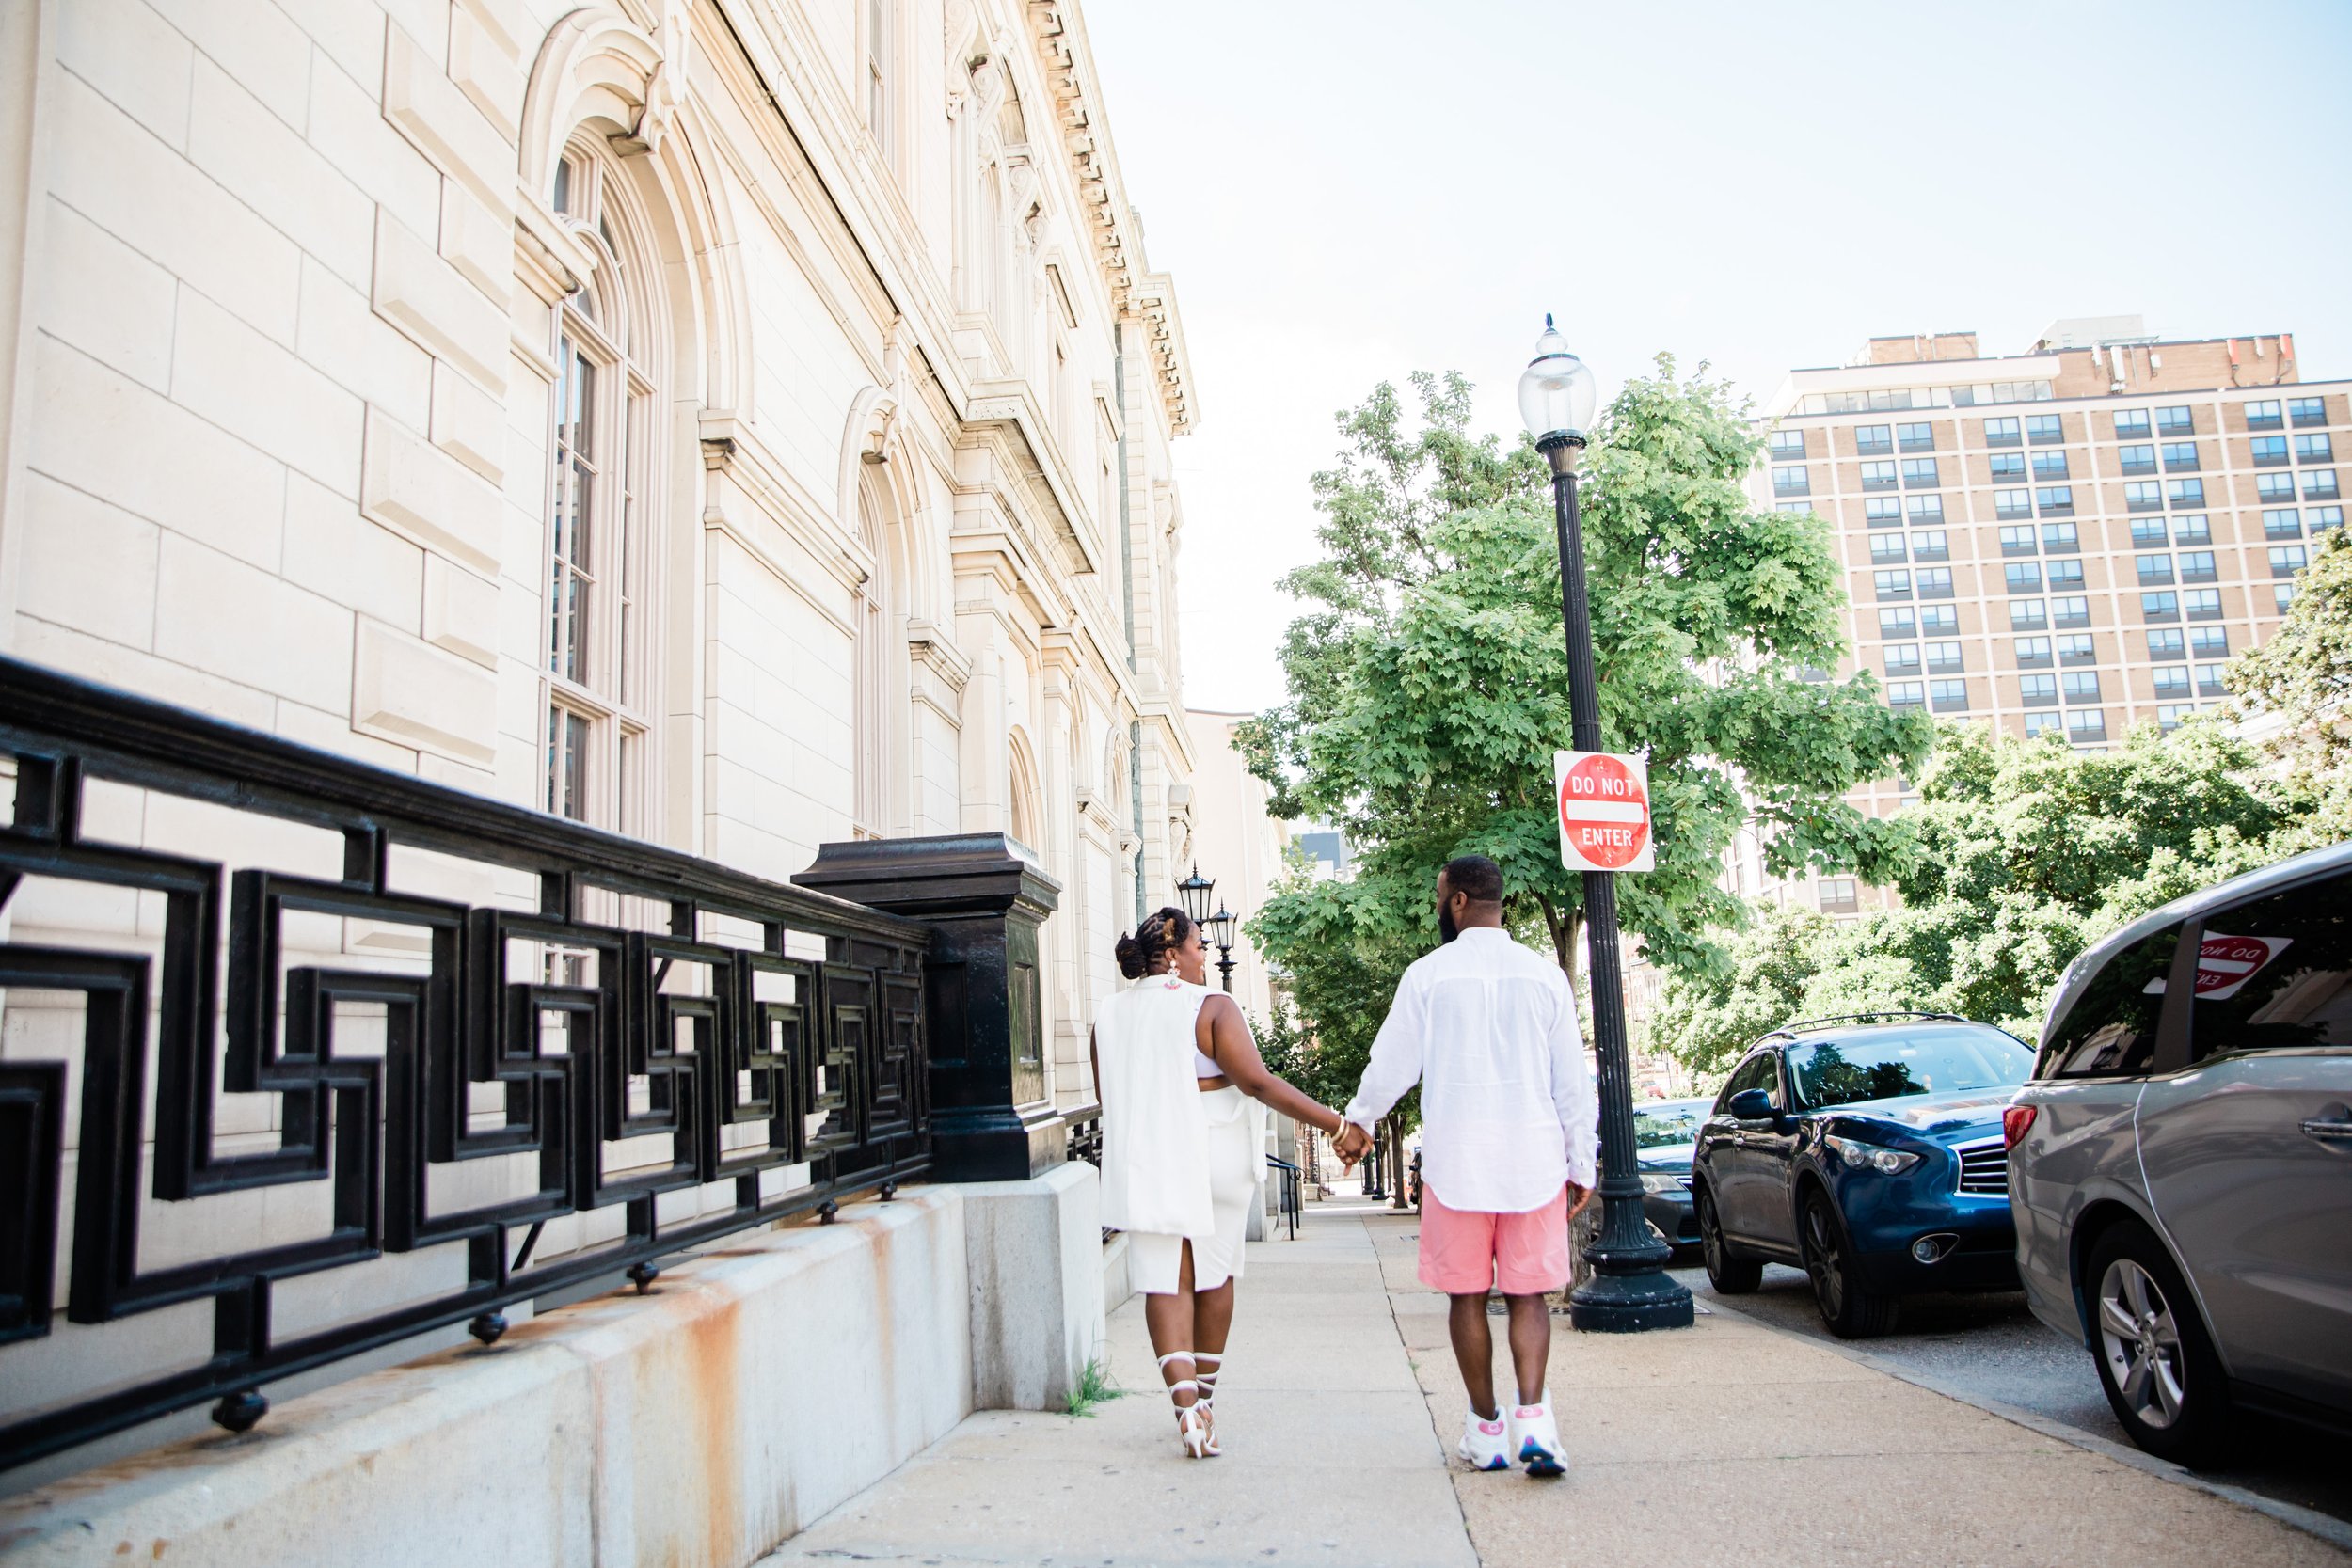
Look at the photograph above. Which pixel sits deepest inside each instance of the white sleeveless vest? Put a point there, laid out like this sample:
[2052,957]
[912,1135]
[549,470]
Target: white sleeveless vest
[1155,1135]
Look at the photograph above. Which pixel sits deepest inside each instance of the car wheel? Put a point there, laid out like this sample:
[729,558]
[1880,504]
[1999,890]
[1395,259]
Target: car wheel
[2156,1361]
[1731,1275]
[1850,1311]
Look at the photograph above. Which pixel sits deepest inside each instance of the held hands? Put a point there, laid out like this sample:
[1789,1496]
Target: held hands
[1351,1143]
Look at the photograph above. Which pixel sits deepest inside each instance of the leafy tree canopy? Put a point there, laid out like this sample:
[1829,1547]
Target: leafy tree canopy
[2027,851]
[1429,682]
[2303,675]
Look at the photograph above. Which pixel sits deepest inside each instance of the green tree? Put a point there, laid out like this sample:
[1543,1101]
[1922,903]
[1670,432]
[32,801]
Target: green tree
[2026,853]
[2303,675]
[1427,683]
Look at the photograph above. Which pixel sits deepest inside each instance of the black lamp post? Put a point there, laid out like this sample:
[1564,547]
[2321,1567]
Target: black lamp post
[1629,1287]
[1219,927]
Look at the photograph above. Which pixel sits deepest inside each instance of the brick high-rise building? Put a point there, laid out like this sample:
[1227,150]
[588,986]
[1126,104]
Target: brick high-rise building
[2075,537]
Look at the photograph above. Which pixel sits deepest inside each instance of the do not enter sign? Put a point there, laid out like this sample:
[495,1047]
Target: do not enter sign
[1604,811]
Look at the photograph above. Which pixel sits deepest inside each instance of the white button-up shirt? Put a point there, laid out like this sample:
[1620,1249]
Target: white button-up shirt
[1507,1108]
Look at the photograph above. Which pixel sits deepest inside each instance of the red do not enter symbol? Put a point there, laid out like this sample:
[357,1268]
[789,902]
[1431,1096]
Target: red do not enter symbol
[1604,812]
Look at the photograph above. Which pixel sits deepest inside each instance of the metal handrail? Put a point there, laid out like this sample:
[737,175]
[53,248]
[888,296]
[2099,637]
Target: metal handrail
[1289,1200]
[835,1077]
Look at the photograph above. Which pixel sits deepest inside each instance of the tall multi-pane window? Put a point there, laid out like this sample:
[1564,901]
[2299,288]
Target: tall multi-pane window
[599,462]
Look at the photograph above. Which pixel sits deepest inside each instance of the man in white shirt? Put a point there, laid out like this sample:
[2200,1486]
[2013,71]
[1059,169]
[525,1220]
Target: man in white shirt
[1509,1134]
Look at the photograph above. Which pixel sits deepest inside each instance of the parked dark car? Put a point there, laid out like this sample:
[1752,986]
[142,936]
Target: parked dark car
[2182,1160]
[1664,1133]
[1868,1153]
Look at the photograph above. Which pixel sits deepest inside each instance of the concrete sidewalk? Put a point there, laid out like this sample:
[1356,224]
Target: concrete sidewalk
[1727,1443]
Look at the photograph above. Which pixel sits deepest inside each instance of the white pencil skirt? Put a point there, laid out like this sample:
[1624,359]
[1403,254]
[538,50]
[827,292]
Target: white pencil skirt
[1154,1258]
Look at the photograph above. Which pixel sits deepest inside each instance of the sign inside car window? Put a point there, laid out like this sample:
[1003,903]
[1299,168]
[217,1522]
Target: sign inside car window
[2224,963]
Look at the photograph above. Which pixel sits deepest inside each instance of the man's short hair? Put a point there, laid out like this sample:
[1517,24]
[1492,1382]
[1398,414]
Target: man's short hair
[1475,876]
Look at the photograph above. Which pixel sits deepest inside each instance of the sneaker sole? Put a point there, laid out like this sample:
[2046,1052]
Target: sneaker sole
[1542,1462]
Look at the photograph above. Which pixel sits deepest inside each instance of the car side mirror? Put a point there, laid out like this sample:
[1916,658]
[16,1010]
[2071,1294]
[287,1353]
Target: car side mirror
[1752,1105]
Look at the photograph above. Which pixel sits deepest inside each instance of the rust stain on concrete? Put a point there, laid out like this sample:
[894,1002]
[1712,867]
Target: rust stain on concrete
[712,1367]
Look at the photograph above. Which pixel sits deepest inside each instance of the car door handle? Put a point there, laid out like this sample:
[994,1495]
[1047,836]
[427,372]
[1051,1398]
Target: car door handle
[2327,1128]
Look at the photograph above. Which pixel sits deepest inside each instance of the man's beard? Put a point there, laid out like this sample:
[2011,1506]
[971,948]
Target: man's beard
[1447,930]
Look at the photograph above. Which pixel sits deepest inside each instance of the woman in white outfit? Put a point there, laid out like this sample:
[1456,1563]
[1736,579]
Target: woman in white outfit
[1183,1145]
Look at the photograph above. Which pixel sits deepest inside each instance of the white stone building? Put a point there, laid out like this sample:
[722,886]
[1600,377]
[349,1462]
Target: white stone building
[736,423]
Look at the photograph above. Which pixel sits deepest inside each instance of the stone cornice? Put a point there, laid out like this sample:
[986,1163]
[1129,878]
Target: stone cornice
[1008,406]
[731,451]
[1059,33]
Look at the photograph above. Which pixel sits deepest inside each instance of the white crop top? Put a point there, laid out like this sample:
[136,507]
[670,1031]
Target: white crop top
[1204,1065]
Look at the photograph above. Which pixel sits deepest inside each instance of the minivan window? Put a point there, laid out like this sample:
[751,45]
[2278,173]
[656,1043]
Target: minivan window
[1887,1066]
[2110,1031]
[2276,974]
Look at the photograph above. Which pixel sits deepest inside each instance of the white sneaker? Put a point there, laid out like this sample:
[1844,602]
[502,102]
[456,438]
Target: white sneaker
[1535,1438]
[1486,1445]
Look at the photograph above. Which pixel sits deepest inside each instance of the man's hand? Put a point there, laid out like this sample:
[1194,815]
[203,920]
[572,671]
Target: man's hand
[1351,1143]
[1579,1199]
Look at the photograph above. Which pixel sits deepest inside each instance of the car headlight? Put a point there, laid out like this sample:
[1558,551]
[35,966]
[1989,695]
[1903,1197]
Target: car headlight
[1861,1156]
[1664,1181]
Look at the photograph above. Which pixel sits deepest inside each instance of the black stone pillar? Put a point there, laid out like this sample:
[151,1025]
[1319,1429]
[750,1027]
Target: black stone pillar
[993,1117]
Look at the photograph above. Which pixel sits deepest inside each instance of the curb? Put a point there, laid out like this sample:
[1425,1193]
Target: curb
[2336,1533]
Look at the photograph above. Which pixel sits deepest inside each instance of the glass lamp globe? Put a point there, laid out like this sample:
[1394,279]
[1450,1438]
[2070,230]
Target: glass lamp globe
[1556,390]
[1192,895]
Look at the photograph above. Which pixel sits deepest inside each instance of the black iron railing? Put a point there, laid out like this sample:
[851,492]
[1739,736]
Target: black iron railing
[550,1030]
[1286,1198]
[1086,1134]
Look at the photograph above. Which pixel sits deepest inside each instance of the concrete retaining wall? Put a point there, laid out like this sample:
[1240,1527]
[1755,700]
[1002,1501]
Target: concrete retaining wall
[755,1389]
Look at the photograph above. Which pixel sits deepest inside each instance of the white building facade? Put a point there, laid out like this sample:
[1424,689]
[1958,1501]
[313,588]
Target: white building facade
[738,424]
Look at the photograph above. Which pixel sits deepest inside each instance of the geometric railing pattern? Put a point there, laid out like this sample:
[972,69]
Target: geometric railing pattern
[673,1077]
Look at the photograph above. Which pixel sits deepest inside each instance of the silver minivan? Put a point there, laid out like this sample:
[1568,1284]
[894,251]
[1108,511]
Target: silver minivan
[2181,1160]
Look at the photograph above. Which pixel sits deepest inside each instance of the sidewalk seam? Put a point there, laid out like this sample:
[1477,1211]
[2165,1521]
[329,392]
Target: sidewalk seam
[2336,1533]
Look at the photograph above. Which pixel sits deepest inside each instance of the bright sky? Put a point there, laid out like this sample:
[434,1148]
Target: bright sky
[1347,192]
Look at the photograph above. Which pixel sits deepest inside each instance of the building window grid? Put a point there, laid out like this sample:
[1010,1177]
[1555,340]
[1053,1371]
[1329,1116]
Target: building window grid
[2141,459]
[2192,528]
[2268,452]
[599,462]
[2263,415]
[2307,411]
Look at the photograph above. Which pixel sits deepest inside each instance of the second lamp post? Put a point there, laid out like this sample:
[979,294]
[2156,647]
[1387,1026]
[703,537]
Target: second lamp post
[1629,1287]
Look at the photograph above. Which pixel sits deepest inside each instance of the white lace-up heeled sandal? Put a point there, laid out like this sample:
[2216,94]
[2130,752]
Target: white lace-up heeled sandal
[1206,1378]
[1192,1420]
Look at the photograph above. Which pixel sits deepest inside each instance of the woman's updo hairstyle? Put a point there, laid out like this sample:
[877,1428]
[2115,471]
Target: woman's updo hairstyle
[1158,934]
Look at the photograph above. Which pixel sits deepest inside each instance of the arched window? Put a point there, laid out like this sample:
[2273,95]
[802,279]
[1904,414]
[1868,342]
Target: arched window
[871,696]
[1026,822]
[602,459]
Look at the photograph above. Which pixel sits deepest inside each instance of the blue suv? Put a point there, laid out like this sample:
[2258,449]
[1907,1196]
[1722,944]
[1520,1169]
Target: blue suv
[1868,1153]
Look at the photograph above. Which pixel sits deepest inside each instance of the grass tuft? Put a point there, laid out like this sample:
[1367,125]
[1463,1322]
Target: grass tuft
[1094,1389]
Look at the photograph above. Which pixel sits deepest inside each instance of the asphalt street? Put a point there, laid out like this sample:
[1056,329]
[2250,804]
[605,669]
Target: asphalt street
[1991,1347]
